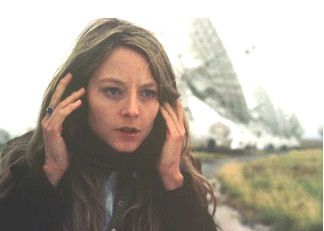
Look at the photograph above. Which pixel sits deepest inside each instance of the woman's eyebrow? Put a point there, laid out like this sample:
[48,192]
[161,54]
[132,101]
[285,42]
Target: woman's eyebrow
[149,85]
[112,80]
[121,82]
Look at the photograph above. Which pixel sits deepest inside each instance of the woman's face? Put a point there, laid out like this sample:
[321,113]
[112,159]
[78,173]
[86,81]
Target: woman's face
[123,100]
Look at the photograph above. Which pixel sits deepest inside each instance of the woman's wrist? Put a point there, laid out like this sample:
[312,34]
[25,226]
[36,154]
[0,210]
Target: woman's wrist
[172,180]
[54,177]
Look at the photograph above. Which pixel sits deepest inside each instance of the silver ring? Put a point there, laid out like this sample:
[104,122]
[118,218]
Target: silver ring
[49,110]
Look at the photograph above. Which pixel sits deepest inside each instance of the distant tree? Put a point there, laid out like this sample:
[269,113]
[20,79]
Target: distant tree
[4,138]
[295,127]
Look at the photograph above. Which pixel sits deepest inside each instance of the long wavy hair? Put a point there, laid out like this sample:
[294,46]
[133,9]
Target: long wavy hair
[84,189]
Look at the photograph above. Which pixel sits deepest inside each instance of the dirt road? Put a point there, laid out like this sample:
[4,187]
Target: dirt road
[227,217]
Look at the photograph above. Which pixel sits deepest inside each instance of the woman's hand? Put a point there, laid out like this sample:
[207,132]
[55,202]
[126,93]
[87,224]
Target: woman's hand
[57,157]
[169,163]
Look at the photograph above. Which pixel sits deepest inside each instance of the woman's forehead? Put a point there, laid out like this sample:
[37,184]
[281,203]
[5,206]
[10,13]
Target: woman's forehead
[125,65]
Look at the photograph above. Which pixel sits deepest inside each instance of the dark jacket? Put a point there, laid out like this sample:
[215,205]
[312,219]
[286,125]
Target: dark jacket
[34,205]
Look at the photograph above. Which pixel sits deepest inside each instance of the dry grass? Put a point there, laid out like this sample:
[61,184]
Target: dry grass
[284,191]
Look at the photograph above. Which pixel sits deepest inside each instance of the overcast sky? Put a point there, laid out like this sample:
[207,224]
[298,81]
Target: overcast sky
[277,44]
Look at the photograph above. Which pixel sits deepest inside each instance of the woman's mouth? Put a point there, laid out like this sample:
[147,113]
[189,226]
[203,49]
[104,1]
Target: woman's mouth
[128,131]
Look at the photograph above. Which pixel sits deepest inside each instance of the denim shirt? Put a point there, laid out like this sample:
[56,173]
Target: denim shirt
[110,190]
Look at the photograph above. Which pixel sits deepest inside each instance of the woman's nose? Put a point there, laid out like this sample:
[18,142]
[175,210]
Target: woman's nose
[131,107]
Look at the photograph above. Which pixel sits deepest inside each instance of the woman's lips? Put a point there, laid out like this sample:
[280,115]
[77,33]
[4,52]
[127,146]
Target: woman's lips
[128,131]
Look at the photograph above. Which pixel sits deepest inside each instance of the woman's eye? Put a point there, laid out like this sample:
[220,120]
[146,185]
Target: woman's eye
[149,93]
[112,91]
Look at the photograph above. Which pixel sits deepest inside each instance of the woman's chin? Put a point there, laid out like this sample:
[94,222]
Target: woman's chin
[125,148]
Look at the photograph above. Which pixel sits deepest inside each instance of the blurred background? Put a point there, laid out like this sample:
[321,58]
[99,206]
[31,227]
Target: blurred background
[249,73]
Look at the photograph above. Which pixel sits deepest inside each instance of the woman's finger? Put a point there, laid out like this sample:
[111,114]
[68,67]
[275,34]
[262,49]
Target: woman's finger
[71,98]
[59,115]
[172,113]
[179,112]
[64,82]
[168,120]
[172,149]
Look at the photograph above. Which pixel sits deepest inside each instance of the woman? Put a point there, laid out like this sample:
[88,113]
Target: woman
[111,147]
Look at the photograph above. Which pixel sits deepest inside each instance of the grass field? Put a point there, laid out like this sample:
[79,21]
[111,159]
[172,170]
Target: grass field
[284,191]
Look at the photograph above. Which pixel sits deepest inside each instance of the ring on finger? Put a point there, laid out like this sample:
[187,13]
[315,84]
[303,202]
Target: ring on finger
[49,110]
